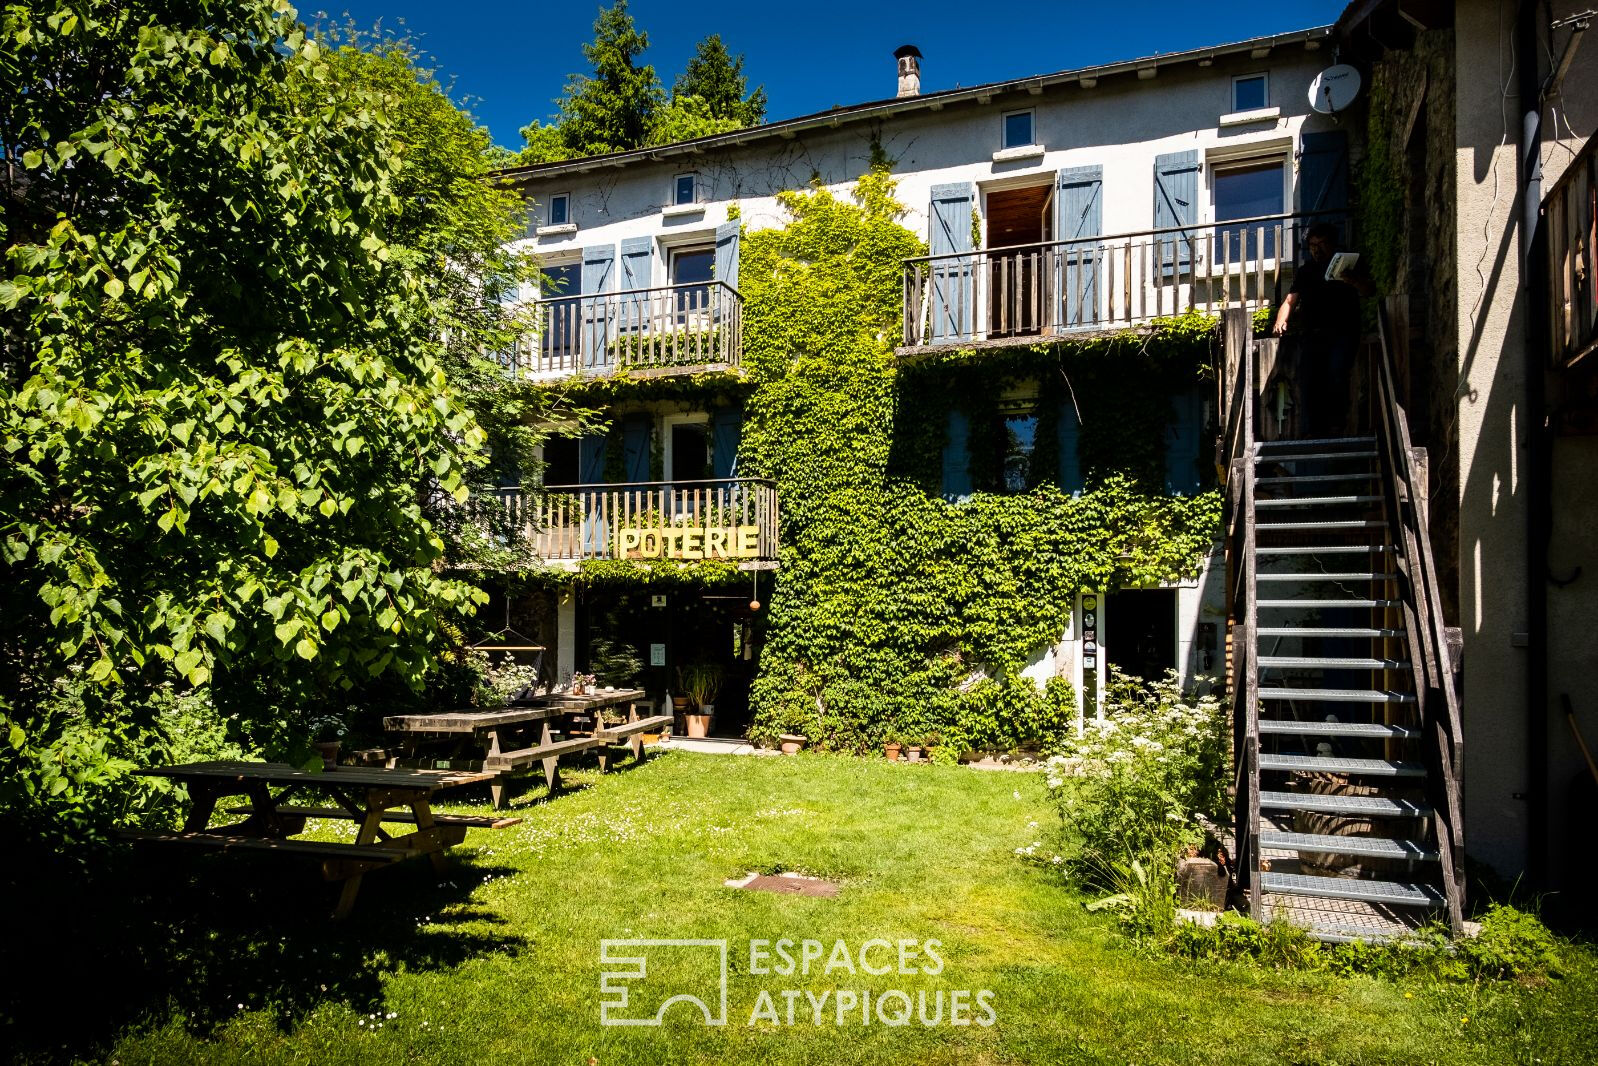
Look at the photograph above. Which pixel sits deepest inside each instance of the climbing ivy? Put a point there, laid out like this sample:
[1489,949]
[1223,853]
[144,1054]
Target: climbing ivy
[895,610]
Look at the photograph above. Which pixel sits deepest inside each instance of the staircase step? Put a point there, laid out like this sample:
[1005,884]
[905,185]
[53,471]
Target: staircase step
[1340,523]
[1296,662]
[1312,501]
[1277,605]
[1374,730]
[1336,695]
[1330,631]
[1361,576]
[1359,806]
[1293,457]
[1303,442]
[1393,893]
[1299,479]
[1328,764]
[1328,844]
[1326,549]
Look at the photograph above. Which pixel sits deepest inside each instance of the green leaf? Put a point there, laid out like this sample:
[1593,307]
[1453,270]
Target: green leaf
[327,507]
[32,158]
[330,620]
[113,289]
[306,648]
[285,630]
[269,546]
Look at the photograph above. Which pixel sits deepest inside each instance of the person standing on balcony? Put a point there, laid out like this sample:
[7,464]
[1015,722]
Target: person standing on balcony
[1324,316]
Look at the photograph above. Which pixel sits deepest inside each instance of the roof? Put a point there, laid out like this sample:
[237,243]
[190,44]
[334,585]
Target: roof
[787,129]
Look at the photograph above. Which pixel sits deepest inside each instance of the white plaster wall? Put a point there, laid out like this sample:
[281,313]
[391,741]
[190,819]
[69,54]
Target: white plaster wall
[1121,125]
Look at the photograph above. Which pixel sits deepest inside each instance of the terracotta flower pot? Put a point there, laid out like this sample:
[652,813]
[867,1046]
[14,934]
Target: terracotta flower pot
[892,748]
[328,749]
[792,742]
[913,753]
[698,724]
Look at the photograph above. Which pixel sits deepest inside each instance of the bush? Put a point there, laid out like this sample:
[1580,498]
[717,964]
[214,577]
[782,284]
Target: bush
[1136,784]
[1512,943]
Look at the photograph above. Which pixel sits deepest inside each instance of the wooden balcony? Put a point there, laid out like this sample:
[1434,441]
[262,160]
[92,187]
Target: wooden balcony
[732,520]
[674,329]
[1034,292]
[1570,217]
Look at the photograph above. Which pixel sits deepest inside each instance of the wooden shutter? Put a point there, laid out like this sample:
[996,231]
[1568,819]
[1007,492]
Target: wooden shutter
[1078,208]
[635,447]
[637,257]
[726,263]
[1323,173]
[949,232]
[1067,434]
[957,457]
[726,430]
[1176,204]
[1182,435]
[599,276]
[591,459]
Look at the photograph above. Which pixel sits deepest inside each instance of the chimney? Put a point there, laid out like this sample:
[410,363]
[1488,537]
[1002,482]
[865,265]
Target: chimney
[909,57]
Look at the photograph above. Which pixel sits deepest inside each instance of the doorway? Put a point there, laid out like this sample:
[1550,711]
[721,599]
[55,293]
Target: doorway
[1020,224]
[1142,632]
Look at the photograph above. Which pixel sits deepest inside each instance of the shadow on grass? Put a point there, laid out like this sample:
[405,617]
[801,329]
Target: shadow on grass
[203,936]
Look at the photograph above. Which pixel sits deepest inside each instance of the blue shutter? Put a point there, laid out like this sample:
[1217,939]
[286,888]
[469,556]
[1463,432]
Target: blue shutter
[1078,208]
[1323,173]
[637,256]
[949,232]
[635,447]
[1176,204]
[957,457]
[726,430]
[1182,442]
[1067,433]
[599,276]
[726,263]
[591,459]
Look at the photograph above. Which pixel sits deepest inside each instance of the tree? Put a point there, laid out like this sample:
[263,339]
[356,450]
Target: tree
[612,109]
[684,118]
[718,79]
[227,405]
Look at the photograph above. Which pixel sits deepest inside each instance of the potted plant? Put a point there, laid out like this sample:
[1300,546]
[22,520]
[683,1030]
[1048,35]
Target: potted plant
[891,746]
[581,683]
[912,750]
[329,732]
[792,742]
[701,682]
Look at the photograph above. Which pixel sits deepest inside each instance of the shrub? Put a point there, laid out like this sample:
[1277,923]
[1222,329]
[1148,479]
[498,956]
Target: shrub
[1512,943]
[1135,784]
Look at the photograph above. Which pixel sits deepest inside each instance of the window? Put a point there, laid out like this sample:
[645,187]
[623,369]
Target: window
[1250,92]
[687,448]
[1018,129]
[560,209]
[560,461]
[685,190]
[691,271]
[1020,440]
[1248,190]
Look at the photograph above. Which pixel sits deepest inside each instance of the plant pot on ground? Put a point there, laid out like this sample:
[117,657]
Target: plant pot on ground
[792,743]
[698,725]
[701,682]
[892,748]
[912,753]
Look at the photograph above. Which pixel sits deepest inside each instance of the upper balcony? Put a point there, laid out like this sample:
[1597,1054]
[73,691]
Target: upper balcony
[732,520]
[1037,292]
[673,329]
[1570,215]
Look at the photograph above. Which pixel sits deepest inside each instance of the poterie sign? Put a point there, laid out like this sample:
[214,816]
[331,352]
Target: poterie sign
[689,542]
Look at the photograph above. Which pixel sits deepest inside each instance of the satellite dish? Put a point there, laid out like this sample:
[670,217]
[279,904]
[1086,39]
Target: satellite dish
[1334,89]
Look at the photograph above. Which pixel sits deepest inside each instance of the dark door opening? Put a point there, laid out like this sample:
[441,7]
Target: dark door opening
[1018,263]
[690,451]
[1140,625]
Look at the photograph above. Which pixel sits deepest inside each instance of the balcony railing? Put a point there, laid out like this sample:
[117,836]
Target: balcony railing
[670,329]
[731,520]
[1096,283]
[1570,216]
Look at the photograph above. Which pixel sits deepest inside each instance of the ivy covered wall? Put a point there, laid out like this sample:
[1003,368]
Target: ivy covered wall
[896,610]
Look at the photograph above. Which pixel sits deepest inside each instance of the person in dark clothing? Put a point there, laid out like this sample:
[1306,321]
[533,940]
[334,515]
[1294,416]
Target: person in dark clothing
[1324,316]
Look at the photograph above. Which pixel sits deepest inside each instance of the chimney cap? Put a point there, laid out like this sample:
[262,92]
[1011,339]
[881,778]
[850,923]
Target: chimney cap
[906,50]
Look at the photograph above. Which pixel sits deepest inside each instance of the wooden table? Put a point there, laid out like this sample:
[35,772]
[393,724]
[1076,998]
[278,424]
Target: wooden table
[507,753]
[368,796]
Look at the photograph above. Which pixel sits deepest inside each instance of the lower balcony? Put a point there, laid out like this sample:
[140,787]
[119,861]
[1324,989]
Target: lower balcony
[1037,292]
[674,329]
[731,520]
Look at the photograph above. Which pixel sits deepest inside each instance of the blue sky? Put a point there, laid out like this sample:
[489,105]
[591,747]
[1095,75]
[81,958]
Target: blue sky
[508,61]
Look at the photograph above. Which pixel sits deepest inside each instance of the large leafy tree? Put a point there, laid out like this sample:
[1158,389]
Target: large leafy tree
[717,78]
[227,408]
[612,109]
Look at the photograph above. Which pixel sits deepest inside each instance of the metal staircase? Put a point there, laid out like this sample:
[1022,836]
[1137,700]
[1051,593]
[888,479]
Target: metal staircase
[1345,714]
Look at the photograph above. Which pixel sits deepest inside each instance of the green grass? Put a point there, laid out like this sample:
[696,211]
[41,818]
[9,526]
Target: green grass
[227,962]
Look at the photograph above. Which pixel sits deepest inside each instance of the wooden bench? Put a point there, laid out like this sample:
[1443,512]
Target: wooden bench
[465,821]
[547,755]
[339,861]
[629,733]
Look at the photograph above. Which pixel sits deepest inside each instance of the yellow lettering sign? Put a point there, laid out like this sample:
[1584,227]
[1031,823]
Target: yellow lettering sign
[688,542]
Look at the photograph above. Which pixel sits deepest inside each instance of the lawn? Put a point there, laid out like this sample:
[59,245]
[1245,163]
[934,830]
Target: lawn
[228,962]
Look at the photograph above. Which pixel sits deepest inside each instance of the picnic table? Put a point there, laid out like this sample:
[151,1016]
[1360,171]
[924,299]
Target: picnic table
[505,735]
[368,796]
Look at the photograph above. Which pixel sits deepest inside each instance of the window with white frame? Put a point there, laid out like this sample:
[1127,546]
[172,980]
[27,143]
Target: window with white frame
[1247,189]
[1018,129]
[1250,92]
[685,189]
[560,210]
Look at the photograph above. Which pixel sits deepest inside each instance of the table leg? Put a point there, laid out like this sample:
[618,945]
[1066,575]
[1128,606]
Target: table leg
[424,821]
[202,801]
[370,824]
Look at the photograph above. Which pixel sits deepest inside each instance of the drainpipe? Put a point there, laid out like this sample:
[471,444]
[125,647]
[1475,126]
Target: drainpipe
[1529,33]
